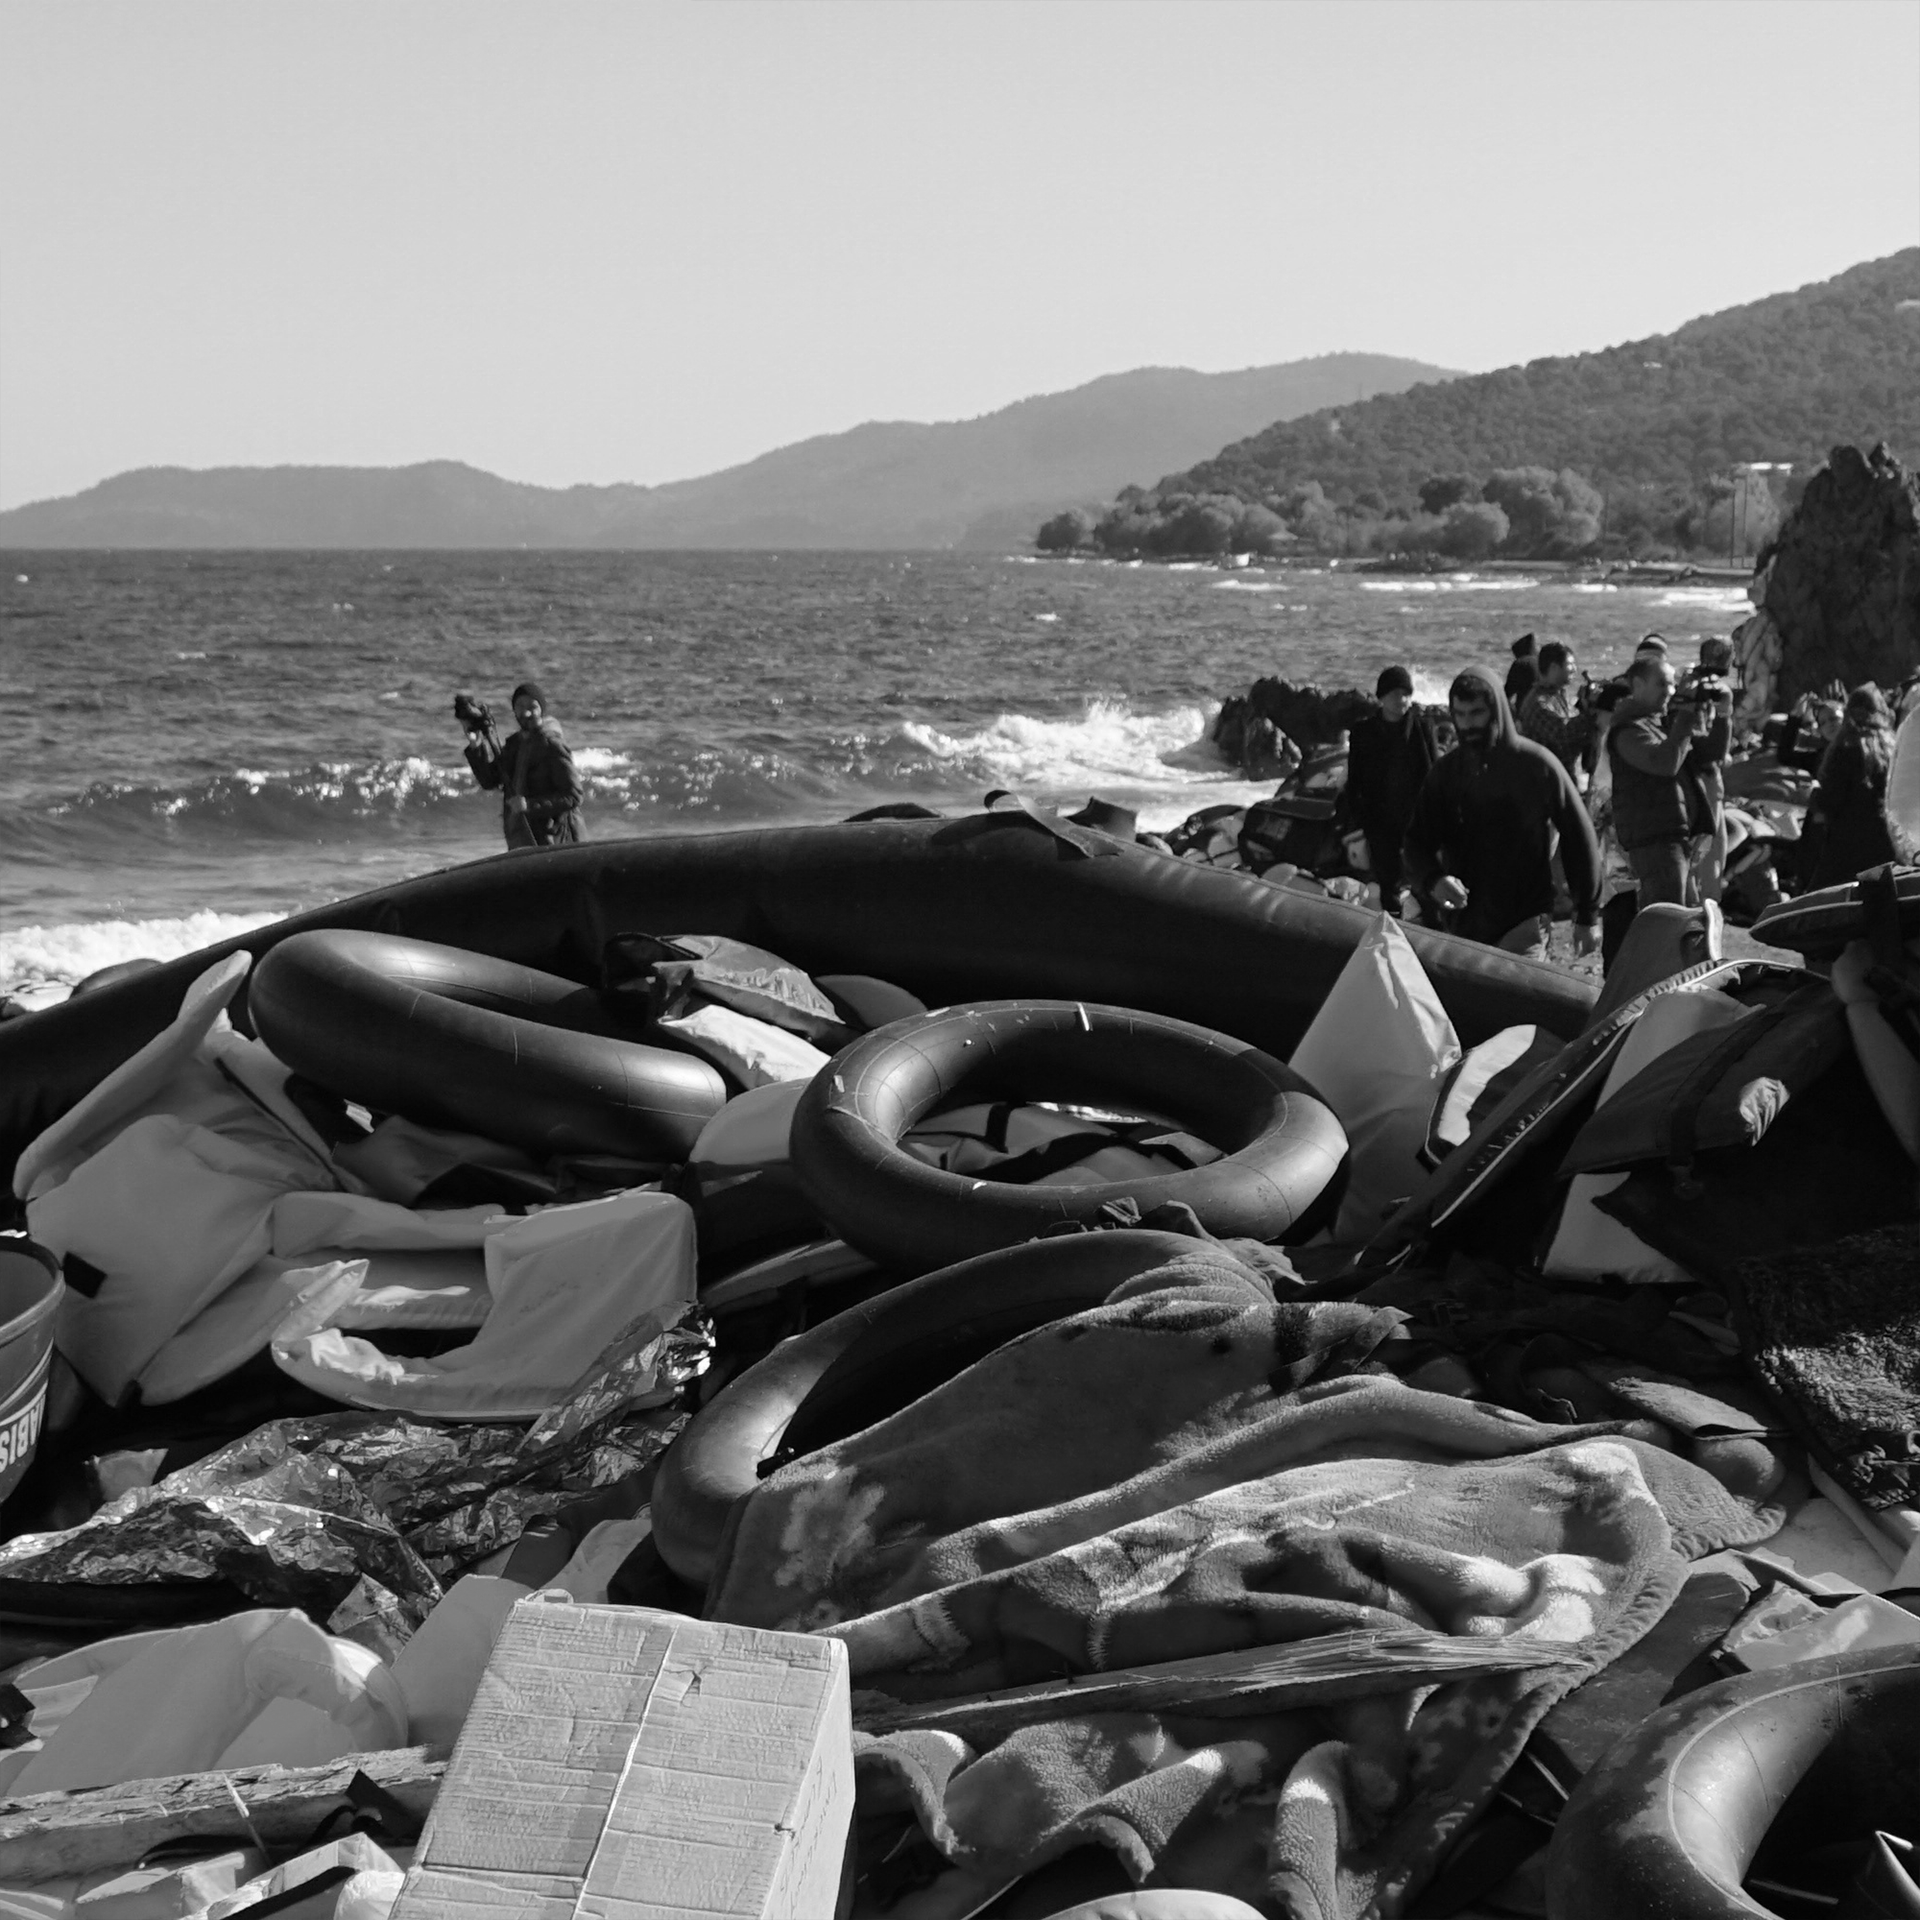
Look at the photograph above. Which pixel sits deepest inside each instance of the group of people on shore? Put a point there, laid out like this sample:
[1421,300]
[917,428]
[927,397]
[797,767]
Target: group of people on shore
[1606,797]
[1603,797]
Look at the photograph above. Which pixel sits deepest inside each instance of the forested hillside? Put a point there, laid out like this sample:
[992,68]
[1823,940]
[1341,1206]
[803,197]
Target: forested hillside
[1692,439]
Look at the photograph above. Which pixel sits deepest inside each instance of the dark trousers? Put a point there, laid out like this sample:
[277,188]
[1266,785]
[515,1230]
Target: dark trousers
[1665,873]
[1384,851]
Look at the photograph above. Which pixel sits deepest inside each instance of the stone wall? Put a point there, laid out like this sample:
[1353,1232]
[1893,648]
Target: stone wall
[1842,579]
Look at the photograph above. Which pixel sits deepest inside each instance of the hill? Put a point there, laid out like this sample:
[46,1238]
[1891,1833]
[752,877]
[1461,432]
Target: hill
[895,484]
[1639,440]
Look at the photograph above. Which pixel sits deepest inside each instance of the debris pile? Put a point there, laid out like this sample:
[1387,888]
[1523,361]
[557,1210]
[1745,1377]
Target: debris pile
[1010,1454]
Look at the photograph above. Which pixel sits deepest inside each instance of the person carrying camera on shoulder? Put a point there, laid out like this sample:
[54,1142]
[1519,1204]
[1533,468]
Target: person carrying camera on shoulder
[1663,814]
[532,769]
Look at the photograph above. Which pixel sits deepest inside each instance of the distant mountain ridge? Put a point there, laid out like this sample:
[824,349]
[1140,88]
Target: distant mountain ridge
[886,485]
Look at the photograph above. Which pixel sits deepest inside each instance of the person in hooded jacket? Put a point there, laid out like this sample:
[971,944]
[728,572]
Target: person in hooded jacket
[1389,755]
[1846,830]
[532,769]
[1481,840]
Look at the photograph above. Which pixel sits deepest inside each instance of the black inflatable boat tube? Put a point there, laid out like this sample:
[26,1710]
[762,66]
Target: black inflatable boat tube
[1282,1144]
[981,908]
[458,1039]
[870,1361]
[1667,1825]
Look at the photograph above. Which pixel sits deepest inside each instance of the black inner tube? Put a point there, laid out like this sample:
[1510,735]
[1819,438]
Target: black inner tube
[459,1039]
[1282,1144]
[1671,1822]
[870,1361]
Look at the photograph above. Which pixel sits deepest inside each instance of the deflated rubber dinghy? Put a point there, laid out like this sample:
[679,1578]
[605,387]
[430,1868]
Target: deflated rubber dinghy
[991,906]
[1669,1825]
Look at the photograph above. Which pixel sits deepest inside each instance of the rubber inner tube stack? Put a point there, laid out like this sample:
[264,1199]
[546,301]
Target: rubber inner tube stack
[1282,1146]
[458,1039]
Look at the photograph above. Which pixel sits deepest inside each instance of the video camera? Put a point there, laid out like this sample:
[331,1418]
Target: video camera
[472,714]
[1702,687]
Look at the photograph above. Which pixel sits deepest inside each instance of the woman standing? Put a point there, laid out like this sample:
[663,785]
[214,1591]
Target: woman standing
[1847,819]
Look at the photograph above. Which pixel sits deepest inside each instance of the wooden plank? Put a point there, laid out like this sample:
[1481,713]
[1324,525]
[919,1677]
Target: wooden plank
[48,1835]
[1335,1666]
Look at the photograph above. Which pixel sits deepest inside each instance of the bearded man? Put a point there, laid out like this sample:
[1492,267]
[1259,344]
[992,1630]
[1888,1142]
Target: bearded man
[1481,841]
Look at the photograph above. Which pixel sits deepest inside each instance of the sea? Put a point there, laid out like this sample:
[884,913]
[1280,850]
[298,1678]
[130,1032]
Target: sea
[199,742]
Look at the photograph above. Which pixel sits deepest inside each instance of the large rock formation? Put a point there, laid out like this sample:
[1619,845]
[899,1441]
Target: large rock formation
[1842,581]
[1249,727]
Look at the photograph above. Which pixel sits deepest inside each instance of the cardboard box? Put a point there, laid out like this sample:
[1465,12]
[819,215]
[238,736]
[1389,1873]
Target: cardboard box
[625,1764]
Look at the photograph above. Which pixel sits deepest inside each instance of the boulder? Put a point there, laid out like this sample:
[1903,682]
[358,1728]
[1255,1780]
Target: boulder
[1842,582]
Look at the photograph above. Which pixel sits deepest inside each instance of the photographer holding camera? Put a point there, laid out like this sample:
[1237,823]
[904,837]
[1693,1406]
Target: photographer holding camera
[1663,745]
[532,769]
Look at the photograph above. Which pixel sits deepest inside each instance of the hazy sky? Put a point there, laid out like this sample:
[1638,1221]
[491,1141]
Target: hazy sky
[635,241]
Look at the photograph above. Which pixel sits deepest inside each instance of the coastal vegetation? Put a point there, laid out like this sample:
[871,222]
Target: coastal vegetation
[1698,440]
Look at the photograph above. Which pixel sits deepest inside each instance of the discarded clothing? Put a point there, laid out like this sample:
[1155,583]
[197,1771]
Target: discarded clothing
[1181,1355]
[750,1052]
[1192,1470]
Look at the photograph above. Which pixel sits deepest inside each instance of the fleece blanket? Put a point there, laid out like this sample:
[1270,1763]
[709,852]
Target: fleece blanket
[1196,1469]
[1834,1332]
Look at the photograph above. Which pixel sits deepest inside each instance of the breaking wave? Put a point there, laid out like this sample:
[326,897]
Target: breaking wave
[39,964]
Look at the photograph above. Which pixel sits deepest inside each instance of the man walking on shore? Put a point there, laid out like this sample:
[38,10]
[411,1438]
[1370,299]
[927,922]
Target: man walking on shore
[1389,755]
[1482,837]
[532,769]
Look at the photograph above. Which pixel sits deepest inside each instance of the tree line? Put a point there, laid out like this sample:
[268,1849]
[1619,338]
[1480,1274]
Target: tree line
[1521,513]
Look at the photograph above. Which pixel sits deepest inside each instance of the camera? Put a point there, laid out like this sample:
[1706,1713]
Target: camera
[1702,687]
[472,714]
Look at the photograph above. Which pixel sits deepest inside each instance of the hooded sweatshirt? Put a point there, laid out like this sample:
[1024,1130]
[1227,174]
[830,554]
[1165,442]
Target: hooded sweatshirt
[1489,820]
[538,767]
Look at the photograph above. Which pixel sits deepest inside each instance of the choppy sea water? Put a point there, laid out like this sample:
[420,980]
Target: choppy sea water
[201,741]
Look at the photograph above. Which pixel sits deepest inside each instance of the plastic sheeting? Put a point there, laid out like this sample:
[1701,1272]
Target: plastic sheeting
[182,1701]
[567,1283]
[355,1518]
[1376,1053]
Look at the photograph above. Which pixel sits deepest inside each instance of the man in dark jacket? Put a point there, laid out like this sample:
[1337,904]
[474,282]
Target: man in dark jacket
[1662,809]
[532,769]
[1389,755]
[1482,836]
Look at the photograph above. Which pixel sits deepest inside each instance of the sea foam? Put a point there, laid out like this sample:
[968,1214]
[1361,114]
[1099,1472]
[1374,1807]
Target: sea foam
[39,964]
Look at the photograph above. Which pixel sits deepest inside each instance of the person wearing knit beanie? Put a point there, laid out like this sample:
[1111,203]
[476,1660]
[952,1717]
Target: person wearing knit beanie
[532,769]
[1389,755]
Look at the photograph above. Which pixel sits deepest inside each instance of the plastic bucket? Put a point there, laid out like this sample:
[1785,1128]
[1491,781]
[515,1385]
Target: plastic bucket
[29,1296]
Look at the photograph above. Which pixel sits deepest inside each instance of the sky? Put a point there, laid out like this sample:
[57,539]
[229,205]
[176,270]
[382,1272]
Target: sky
[644,240]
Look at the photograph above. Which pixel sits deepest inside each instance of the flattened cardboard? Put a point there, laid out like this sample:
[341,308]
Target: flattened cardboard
[624,1764]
